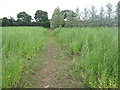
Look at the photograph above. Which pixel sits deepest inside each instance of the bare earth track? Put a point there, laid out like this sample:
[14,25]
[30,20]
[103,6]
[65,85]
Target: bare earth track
[54,73]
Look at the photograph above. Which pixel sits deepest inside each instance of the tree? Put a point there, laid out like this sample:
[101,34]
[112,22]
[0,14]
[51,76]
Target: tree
[23,19]
[109,14]
[93,18]
[69,22]
[0,22]
[41,18]
[65,13]
[5,21]
[102,17]
[85,17]
[23,16]
[8,22]
[118,10]
[57,19]
[77,22]
[115,19]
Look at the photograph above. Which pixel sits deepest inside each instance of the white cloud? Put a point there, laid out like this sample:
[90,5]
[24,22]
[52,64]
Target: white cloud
[12,7]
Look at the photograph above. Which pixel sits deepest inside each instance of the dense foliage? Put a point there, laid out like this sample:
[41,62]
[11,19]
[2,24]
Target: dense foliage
[68,18]
[19,44]
[89,36]
[96,52]
[57,19]
[88,18]
[23,19]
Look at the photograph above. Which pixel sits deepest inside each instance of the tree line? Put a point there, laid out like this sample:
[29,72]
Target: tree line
[68,18]
[87,18]
[24,19]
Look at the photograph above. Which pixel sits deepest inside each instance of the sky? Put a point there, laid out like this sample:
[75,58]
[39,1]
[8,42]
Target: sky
[13,7]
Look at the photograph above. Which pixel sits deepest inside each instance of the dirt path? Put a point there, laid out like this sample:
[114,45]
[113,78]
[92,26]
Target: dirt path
[54,73]
[55,61]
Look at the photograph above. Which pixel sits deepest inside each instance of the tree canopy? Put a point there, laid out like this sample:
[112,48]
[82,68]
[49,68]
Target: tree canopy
[57,19]
[41,16]
[68,18]
[23,16]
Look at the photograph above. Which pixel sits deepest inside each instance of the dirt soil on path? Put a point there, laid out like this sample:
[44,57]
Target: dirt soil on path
[54,73]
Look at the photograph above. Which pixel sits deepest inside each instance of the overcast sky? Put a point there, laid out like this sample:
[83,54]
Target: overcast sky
[13,7]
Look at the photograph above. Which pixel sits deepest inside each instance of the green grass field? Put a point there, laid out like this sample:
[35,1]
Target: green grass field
[95,51]
[19,44]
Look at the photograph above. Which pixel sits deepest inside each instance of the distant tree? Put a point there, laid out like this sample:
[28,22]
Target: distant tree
[0,21]
[85,17]
[118,10]
[8,22]
[65,13]
[86,14]
[102,17]
[57,19]
[93,18]
[23,19]
[41,18]
[77,22]
[115,20]
[70,20]
[45,23]
[23,16]
[5,21]
[109,14]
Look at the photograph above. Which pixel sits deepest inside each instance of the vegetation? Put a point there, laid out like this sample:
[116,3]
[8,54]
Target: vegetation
[67,18]
[97,52]
[23,19]
[19,44]
[87,18]
[57,19]
[94,49]
[41,17]
[88,38]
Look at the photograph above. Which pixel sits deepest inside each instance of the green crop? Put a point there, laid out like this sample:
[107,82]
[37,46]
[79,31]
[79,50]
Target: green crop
[97,52]
[18,45]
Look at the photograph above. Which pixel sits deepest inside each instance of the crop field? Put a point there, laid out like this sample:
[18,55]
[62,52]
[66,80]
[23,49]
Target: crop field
[97,49]
[18,45]
[90,54]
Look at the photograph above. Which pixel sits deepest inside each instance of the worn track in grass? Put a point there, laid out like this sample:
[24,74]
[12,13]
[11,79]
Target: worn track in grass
[54,72]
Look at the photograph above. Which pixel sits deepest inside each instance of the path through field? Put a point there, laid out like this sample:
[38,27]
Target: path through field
[54,72]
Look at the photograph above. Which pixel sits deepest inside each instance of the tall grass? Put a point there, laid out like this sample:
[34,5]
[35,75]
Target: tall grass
[97,50]
[19,44]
